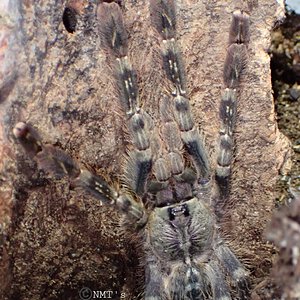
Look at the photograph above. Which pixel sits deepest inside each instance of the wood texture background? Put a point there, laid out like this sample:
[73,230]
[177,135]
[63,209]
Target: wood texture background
[54,240]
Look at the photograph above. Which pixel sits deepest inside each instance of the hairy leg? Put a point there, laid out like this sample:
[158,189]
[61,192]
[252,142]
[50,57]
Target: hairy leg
[217,281]
[164,20]
[234,269]
[114,40]
[60,164]
[233,68]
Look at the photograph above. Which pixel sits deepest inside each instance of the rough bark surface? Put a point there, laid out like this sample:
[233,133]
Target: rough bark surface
[55,240]
[284,231]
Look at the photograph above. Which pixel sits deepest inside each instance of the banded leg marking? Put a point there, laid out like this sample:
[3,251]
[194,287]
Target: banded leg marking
[164,20]
[153,280]
[115,41]
[235,270]
[60,164]
[217,282]
[234,65]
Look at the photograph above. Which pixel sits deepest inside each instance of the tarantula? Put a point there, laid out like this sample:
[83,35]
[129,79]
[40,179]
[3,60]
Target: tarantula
[168,193]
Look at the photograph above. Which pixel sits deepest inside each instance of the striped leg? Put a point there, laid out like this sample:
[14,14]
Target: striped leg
[114,40]
[235,270]
[164,20]
[153,280]
[60,164]
[217,282]
[234,65]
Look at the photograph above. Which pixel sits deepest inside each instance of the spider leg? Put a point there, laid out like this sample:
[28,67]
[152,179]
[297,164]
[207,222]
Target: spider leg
[164,20]
[198,281]
[114,40]
[153,280]
[233,68]
[171,161]
[48,157]
[60,164]
[217,281]
[187,282]
[234,269]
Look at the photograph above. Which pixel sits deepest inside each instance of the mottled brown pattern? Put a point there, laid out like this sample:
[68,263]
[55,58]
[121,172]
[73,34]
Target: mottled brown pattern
[284,231]
[55,240]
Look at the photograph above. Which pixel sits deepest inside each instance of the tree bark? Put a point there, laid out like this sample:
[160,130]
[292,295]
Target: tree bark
[56,240]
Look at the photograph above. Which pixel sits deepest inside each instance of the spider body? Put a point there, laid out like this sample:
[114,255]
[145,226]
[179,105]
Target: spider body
[181,235]
[170,200]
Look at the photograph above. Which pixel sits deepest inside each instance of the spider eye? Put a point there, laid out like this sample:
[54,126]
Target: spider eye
[177,211]
[69,19]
